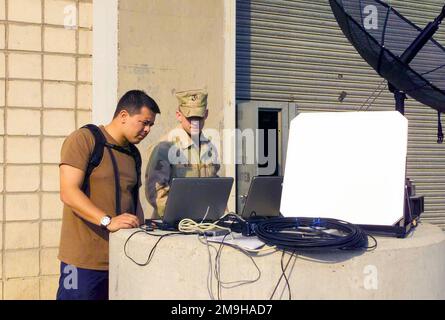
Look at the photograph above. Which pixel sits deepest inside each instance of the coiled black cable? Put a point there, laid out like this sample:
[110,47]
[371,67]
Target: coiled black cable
[311,234]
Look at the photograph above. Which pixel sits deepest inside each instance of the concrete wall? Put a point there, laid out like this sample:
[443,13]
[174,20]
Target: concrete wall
[174,45]
[45,93]
[411,268]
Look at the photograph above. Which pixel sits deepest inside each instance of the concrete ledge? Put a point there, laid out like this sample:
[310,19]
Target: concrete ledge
[411,268]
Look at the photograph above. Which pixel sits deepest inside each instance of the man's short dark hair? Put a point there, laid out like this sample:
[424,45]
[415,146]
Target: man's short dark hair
[133,101]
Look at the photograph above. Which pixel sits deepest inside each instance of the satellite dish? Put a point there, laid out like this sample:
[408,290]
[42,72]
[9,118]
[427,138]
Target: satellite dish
[406,56]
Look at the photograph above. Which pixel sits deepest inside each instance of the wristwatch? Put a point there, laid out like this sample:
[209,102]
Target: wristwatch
[105,221]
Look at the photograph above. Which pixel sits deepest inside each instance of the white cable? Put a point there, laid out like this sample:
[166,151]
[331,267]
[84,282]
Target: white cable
[209,274]
[190,226]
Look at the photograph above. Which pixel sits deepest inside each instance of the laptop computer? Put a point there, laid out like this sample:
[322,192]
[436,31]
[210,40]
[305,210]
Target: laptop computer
[263,198]
[199,199]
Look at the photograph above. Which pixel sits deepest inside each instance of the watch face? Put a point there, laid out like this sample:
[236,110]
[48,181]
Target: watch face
[105,221]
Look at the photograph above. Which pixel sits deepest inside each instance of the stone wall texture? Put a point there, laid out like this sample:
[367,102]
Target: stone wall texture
[45,93]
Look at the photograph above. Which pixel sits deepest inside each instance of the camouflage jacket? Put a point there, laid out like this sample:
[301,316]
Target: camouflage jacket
[176,155]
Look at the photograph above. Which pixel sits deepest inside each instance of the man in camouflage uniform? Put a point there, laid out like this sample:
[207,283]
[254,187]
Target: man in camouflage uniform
[184,152]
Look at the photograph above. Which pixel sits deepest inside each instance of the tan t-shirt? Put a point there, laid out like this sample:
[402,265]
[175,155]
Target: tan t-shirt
[82,243]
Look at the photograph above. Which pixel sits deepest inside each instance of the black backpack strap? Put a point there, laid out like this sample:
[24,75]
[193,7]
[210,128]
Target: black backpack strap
[132,151]
[96,156]
[138,162]
[100,142]
[117,185]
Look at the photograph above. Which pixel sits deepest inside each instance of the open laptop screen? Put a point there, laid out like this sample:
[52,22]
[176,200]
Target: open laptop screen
[197,199]
[264,197]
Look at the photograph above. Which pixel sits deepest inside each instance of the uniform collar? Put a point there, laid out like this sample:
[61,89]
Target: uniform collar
[185,141]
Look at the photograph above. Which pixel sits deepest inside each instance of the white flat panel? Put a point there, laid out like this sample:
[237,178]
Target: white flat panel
[346,165]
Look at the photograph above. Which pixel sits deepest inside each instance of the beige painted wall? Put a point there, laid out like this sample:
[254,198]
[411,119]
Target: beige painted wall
[45,93]
[172,45]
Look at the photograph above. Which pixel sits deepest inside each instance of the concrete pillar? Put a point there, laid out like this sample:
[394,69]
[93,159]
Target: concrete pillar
[173,45]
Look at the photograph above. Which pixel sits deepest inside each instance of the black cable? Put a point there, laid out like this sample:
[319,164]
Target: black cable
[283,270]
[232,221]
[283,274]
[374,246]
[153,249]
[439,129]
[311,234]
[217,258]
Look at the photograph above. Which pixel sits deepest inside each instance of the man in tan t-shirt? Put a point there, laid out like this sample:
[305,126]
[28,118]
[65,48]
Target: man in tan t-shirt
[88,217]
